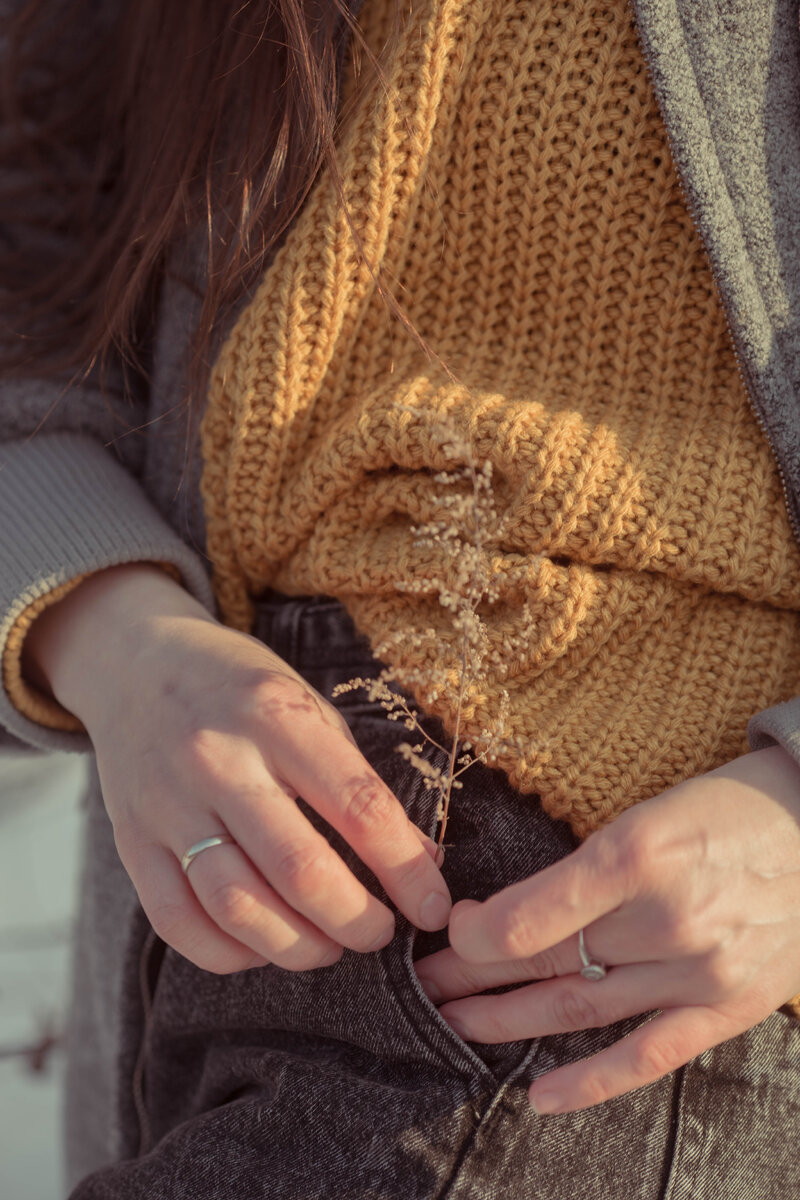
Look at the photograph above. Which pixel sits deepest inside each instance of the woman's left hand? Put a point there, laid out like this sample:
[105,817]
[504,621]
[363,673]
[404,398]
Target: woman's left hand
[691,899]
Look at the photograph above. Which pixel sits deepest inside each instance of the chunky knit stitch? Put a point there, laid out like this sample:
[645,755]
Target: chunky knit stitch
[514,190]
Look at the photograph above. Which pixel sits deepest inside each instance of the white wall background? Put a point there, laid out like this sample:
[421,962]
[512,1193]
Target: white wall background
[39,839]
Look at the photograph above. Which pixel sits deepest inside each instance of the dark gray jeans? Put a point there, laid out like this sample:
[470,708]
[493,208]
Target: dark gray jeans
[344,1083]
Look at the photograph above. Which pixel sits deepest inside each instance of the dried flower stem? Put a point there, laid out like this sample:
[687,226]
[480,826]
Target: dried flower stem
[468,523]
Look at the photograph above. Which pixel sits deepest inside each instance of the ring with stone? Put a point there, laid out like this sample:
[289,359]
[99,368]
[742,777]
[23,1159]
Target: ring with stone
[592,967]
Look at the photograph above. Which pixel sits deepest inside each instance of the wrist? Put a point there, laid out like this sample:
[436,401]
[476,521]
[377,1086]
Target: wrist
[82,649]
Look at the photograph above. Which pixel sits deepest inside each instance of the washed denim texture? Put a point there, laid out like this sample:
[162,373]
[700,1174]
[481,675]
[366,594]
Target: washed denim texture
[346,1084]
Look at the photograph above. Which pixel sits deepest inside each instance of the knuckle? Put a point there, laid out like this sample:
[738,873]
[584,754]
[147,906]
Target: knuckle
[541,966]
[595,1091]
[202,746]
[275,696]
[469,979]
[724,974]
[516,935]
[169,921]
[369,805]
[203,757]
[231,905]
[301,867]
[574,1010]
[653,1058]
[636,851]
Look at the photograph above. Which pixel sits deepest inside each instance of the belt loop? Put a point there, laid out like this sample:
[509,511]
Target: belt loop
[295,610]
[276,624]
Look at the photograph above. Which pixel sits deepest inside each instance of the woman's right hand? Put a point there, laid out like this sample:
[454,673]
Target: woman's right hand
[201,730]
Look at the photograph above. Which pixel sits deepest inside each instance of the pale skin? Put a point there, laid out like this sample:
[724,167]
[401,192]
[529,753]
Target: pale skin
[200,730]
[692,898]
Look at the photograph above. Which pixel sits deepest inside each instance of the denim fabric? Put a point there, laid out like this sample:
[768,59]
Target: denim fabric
[346,1084]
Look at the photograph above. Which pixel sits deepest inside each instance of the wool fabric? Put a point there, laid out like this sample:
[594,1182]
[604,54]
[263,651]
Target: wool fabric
[513,189]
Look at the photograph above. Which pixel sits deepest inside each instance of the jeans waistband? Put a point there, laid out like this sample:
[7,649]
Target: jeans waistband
[311,632]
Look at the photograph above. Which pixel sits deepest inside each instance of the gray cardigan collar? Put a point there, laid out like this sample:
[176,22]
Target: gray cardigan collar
[726,74]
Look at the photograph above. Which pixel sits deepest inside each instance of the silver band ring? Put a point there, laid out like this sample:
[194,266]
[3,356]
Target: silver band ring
[219,839]
[592,968]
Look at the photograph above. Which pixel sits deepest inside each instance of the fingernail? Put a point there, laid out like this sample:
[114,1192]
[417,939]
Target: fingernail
[333,956]
[434,911]
[458,1028]
[436,852]
[546,1102]
[382,939]
[431,990]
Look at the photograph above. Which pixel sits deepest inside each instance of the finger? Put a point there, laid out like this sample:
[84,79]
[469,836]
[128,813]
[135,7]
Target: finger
[445,975]
[529,917]
[653,1050]
[341,786]
[304,869]
[429,845]
[179,919]
[238,899]
[564,1005]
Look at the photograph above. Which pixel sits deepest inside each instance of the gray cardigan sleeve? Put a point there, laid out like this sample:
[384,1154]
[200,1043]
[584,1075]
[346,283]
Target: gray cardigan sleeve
[70,504]
[777,725]
[73,491]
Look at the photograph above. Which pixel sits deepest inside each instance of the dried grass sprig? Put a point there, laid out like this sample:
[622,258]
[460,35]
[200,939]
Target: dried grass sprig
[465,529]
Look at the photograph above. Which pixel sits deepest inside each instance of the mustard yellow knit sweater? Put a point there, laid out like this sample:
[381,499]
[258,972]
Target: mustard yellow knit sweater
[514,190]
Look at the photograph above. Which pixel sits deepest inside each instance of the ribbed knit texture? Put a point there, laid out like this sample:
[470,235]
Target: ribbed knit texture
[82,512]
[515,191]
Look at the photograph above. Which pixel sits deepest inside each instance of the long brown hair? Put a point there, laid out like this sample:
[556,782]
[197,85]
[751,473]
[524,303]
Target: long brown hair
[178,117]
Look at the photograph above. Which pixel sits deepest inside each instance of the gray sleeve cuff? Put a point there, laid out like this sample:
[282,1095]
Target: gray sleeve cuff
[779,724]
[68,508]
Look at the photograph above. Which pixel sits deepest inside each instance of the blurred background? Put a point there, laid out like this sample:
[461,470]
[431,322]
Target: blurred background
[40,822]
